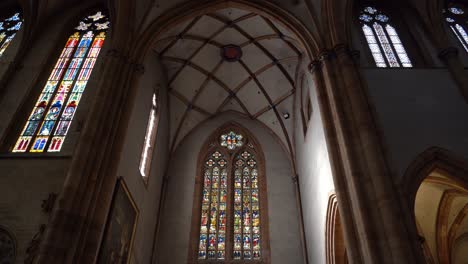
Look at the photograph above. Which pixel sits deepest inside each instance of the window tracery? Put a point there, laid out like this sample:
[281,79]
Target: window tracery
[8,29]
[50,119]
[383,40]
[456,17]
[230,216]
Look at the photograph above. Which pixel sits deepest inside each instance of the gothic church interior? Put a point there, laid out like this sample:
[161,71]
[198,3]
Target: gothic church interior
[234,131]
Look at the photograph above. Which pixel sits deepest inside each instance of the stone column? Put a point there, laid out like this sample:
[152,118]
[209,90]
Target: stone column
[76,227]
[450,57]
[367,198]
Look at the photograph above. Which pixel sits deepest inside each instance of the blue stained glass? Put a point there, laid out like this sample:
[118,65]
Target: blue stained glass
[8,29]
[75,60]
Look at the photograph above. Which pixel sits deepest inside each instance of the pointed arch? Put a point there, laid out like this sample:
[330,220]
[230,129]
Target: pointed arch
[176,15]
[334,244]
[230,208]
[440,176]
[434,158]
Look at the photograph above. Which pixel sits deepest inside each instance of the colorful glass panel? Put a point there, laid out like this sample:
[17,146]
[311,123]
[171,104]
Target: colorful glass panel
[232,140]
[212,241]
[457,20]
[383,41]
[50,119]
[246,240]
[8,29]
[150,137]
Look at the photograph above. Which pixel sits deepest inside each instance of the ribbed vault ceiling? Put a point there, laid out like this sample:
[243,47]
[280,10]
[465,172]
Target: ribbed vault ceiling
[202,84]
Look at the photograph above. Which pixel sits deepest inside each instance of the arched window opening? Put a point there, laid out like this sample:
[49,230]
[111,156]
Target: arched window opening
[334,238]
[441,210]
[383,40]
[50,119]
[150,138]
[456,17]
[8,28]
[232,202]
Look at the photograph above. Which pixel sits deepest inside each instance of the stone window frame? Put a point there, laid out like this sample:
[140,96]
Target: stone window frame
[210,145]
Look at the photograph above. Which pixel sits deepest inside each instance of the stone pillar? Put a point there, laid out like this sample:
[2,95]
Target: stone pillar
[450,57]
[74,232]
[368,201]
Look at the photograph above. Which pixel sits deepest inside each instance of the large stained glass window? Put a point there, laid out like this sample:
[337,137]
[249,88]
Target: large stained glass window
[383,40]
[246,208]
[150,137]
[8,29]
[212,243]
[230,226]
[457,19]
[52,115]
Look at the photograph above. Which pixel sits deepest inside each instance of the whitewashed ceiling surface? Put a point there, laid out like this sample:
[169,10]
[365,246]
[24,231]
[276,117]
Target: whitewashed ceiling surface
[202,83]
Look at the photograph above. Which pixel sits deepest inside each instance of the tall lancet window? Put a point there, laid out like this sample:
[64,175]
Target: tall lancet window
[231,217]
[8,29]
[457,18]
[150,138]
[50,119]
[383,40]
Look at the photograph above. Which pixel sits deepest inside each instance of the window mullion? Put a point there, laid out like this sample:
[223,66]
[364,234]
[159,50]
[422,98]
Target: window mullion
[390,42]
[379,44]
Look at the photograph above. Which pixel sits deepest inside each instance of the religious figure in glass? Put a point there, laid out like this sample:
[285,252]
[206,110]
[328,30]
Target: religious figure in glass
[217,206]
[49,121]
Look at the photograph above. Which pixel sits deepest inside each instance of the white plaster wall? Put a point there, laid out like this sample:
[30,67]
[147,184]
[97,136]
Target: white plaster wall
[417,109]
[315,178]
[146,197]
[173,239]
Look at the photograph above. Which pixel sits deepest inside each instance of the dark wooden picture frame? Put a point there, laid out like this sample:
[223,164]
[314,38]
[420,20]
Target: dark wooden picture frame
[116,246]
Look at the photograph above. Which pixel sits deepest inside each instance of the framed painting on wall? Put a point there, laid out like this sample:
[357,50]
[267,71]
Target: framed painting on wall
[119,233]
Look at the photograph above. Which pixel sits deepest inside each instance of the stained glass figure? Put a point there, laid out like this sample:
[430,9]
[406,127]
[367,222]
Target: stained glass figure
[150,138]
[212,242]
[230,194]
[50,120]
[383,40]
[8,29]
[247,238]
[232,140]
[457,19]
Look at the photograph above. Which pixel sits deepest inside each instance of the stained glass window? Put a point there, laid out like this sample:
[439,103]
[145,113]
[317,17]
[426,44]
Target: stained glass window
[246,208]
[8,29]
[52,115]
[231,140]
[383,40]
[456,17]
[150,138]
[212,243]
[231,190]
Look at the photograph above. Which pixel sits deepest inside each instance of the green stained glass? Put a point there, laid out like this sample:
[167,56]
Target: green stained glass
[50,119]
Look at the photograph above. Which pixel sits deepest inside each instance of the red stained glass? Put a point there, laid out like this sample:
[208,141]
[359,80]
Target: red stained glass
[57,114]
